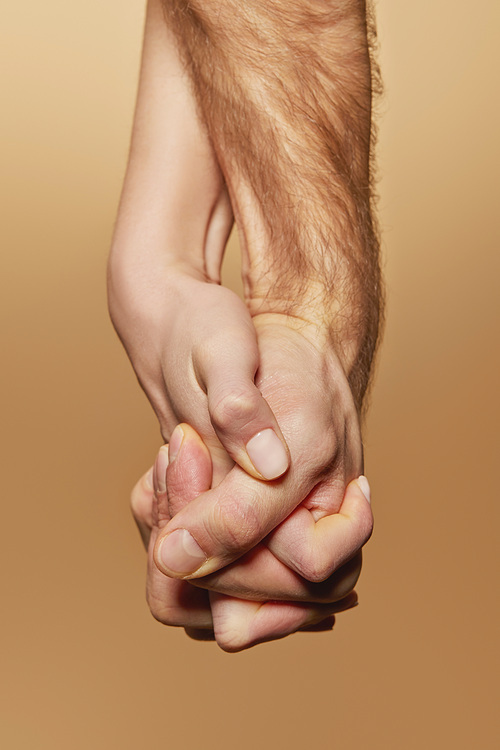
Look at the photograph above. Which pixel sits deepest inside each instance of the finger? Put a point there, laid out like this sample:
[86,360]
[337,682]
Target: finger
[141,502]
[224,523]
[242,419]
[172,602]
[189,471]
[241,624]
[259,576]
[315,549]
[161,512]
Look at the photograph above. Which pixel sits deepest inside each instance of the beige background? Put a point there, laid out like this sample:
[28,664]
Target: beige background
[84,665]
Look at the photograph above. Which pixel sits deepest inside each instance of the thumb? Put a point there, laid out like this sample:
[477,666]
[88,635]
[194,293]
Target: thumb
[240,415]
[222,524]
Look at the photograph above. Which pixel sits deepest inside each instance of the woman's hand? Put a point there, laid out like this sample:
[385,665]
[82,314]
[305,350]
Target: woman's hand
[191,342]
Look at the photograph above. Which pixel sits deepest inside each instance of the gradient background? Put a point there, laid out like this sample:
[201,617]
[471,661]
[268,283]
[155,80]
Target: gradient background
[84,664]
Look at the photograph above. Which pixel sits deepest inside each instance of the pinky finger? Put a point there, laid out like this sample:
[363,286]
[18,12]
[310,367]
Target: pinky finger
[316,549]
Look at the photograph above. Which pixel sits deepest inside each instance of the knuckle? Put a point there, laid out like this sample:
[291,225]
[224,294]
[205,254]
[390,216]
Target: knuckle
[324,445]
[235,407]
[316,570]
[322,455]
[237,526]
[325,455]
[314,566]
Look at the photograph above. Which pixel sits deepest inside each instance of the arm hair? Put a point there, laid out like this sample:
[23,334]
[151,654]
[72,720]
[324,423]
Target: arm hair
[285,88]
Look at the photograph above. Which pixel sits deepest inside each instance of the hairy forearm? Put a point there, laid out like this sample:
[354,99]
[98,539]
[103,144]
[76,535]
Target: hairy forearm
[285,90]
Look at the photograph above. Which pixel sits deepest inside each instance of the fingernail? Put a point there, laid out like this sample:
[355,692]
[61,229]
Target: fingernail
[268,454]
[180,554]
[364,487]
[175,443]
[161,468]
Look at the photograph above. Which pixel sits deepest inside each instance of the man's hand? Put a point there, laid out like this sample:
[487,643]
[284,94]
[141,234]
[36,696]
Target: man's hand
[234,622]
[309,394]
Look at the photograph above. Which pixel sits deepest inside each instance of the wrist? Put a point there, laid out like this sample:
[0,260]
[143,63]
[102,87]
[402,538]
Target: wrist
[156,229]
[332,290]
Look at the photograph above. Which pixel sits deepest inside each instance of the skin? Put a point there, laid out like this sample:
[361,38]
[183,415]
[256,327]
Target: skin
[234,623]
[231,369]
[322,432]
[284,90]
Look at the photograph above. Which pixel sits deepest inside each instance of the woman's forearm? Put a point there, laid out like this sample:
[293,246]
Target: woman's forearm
[173,190]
